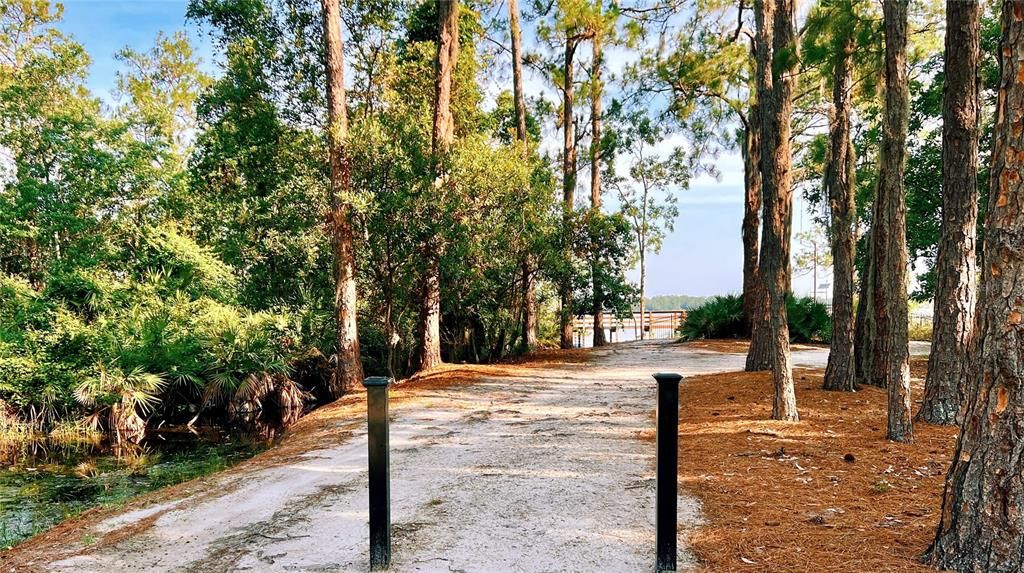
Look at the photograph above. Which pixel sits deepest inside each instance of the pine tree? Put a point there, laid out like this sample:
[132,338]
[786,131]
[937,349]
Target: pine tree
[349,369]
[955,266]
[890,366]
[776,59]
[982,523]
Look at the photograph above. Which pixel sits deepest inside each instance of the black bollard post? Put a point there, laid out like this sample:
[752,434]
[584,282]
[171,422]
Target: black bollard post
[667,471]
[380,480]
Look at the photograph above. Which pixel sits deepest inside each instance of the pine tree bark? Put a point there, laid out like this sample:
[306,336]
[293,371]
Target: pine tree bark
[841,373]
[348,373]
[956,267]
[759,355]
[596,90]
[447,57]
[529,301]
[755,307]
[751,211]
[518,91]
[775,63]
[441,141]
[891,364]
[866,334]
[982,523]
[568,177]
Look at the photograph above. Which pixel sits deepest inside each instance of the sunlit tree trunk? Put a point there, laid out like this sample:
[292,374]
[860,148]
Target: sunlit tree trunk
[529,310]
[840,373]
[442,138]
[518,94]
[775,63]
[595,173]
[890,365]
[982,519]
[568,178]
[349,371]
[955,267]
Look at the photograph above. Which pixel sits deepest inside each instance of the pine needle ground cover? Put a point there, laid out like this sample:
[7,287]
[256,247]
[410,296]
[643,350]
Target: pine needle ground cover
[828,493]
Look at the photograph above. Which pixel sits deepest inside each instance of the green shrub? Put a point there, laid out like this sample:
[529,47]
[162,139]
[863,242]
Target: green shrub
[718,317]
[809,321]
[722,317]
[920,330]
[165,339]
[180,264]
[88,292]
[21,308]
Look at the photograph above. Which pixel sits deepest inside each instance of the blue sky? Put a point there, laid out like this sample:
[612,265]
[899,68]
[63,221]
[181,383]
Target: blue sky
[106,26]
[703,256]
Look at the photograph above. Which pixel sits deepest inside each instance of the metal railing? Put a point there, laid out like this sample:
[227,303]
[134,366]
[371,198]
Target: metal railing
[654,324]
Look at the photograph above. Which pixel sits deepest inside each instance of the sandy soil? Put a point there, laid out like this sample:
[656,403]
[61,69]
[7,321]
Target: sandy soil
[530,468]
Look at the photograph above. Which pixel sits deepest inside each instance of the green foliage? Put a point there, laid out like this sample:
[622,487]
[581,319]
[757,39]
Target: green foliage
[718,317]
[184,265]
[722,317]
[171,252]
[133,390]
[809,320]
[604,248]
[164,338]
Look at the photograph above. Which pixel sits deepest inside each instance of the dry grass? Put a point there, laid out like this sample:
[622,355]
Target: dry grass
[828,493]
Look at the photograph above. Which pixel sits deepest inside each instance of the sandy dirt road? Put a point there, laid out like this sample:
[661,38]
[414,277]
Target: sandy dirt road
[547,470]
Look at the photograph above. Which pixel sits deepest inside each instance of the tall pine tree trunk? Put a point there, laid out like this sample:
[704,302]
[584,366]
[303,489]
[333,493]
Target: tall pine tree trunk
[755,303]
[751,213]
[955,267]
[865,333]
[529,310]
[349,371]
[595,174]
[841,373]
[568,179]
[890,364]
[442,137]
[775,63]
[982,523]
[518,94]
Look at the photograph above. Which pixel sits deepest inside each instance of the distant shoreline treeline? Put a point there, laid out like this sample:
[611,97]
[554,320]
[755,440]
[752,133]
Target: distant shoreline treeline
[673,302]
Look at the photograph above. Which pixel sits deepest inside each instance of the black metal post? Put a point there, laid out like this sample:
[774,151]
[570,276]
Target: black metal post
[667,470]
[380,479]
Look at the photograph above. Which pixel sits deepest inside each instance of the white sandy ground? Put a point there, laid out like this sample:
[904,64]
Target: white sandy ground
[542,472]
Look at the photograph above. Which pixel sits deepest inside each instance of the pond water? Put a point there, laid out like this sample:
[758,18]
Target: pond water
[44,482]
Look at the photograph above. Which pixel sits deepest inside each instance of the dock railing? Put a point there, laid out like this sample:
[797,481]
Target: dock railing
[653,324]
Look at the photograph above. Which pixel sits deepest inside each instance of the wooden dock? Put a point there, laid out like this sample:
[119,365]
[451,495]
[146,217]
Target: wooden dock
[654,324]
